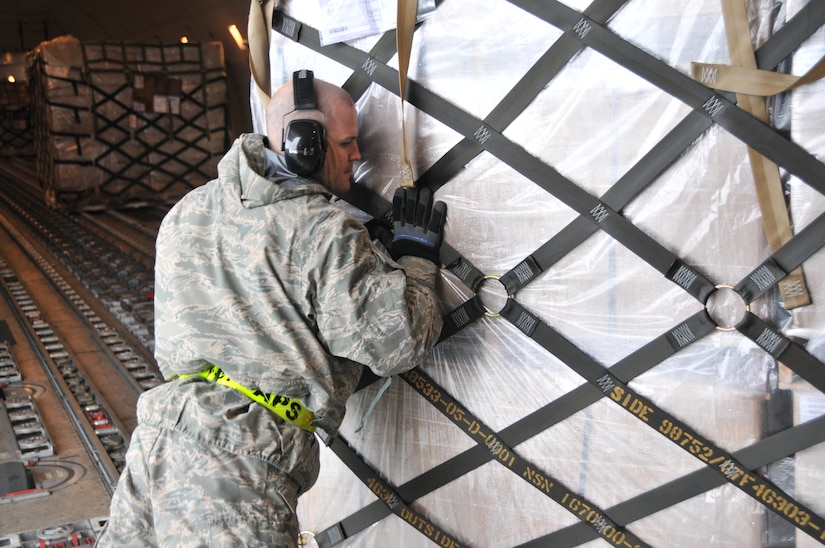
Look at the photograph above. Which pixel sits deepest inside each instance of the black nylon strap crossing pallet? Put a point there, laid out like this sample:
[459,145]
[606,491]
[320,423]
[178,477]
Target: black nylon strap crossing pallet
[385,76]
[745,127]
[639,177]
[647,357]
[752,132]
[462,316]
[517,99]
[804,244]
[525,90]
[760,489]
[761,453]
[662,155]
[776,48]
[500,117]
[783,350]
[531,167]
[695,328]
[385,493]
[596,211]
[357,84]
[586,511]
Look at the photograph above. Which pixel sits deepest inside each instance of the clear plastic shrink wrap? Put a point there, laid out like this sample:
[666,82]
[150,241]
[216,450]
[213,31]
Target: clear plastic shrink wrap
[592,123]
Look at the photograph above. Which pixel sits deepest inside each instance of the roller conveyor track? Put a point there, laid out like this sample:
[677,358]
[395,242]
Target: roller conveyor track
[76,340]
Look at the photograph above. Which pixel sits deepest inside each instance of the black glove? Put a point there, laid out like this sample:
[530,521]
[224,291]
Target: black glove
[417,224]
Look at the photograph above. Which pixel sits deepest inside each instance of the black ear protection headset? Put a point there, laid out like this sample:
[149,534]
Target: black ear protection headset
[304,141]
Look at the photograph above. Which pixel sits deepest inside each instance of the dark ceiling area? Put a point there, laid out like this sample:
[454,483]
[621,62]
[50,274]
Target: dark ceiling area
[26,23]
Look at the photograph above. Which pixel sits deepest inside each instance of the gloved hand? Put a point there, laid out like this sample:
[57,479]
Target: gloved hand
[417,224]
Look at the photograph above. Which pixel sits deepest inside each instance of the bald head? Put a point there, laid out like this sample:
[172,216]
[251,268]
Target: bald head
[336,112]
[332,102]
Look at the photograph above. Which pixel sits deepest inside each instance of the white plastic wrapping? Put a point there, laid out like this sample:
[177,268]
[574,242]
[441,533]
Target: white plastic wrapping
[591,123]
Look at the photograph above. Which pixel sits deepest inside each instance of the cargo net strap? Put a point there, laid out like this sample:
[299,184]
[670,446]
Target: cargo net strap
[709,107]
[120,122]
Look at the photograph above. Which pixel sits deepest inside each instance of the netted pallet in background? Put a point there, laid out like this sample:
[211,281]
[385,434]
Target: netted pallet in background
[16,136]
[119,124]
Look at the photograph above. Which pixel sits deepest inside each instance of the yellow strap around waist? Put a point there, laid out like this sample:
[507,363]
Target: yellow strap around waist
[289,409]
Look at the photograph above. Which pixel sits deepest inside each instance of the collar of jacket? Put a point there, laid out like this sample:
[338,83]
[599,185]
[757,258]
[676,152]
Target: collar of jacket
[262,173]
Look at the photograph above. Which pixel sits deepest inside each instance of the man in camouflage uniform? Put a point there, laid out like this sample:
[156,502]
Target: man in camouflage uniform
[259,274]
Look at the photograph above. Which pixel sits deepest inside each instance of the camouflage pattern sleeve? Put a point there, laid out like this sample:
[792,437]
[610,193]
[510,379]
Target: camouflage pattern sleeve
[374,311]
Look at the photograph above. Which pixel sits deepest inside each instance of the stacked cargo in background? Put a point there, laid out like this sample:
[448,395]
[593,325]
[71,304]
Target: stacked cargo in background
[124,124]
[16,135]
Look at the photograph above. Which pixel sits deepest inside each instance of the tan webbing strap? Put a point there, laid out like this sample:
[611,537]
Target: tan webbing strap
[407,10]
[762,83]
[258,32]
[775,218]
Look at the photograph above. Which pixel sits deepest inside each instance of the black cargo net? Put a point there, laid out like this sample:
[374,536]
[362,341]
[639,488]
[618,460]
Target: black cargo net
[742,468]
[125,124]
[16,135]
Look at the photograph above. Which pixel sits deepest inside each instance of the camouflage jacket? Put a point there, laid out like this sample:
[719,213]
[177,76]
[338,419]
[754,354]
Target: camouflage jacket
[257,272]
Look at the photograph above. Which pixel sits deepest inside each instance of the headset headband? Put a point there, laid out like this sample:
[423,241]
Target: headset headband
[304,90]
